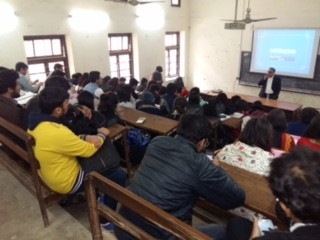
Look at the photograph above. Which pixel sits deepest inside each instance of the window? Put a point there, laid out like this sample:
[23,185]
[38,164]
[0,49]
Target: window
[172,42]
[43,52]
[175,3]
[120,52]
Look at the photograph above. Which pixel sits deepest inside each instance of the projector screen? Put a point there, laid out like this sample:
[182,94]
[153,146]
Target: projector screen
[292,52]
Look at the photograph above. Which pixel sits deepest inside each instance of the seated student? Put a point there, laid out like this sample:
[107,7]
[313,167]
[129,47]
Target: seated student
[180,107]
[95,81]
[197,90]
[9,108]
[57,148]
[147,104]
[311,137]
[166,103]
[112,85]
[180,84]
[154,90]
[107,107]
[281,140]
[33,103]
[256,110]
[85,123]
[193,106]
[133,83]
[294,180]
[9,90]
[143,85]
[251,152]
[24,81]
[222,104]
[173,181]
[124,95]
[298,128]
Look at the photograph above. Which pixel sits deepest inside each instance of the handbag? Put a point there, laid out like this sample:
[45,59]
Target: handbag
[105,159]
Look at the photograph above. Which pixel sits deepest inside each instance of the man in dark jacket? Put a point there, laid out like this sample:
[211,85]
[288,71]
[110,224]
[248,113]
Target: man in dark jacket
[271,85]
[175,172]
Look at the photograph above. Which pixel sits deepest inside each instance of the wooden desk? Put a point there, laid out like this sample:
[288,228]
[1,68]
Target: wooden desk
[291,109]
[259,197]
[153,123]
[119,132]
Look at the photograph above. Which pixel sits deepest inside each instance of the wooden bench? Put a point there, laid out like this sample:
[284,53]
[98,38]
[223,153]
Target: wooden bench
[259,197]
[160,218]
[27,171]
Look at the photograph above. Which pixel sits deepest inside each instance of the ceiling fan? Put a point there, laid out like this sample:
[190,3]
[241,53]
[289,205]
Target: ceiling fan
[240,24]
[133,2]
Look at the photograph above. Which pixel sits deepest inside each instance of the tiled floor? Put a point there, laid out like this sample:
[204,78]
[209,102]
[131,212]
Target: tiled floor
[20,217]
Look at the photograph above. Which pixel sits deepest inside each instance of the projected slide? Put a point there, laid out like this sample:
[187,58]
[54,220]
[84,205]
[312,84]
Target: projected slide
[292,52]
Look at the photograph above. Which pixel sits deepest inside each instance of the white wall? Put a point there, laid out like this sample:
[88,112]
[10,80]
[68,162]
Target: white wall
[212,53]
[215,52]
[89,51]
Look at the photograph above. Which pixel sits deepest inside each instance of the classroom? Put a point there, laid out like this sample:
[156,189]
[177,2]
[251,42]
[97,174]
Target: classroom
[207,55]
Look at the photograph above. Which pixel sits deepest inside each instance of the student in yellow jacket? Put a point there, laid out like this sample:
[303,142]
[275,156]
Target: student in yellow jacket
[57,147]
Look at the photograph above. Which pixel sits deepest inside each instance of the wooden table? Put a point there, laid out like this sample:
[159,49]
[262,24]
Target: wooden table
[291,109]
[153,123]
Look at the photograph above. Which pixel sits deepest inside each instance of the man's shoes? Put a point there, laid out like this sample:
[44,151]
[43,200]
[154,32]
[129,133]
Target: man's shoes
[108,226]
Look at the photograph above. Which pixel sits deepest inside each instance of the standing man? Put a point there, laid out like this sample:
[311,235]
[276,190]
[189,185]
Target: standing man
[175,172]
[157,75]
[271,85]
[24,81]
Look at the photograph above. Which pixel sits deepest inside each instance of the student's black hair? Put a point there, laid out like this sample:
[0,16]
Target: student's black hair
[277,118]
[257,132]
[256,105]
[313,131]
[108,102]
[295,180]
[52,97]
[58,73]
[76,75]
[180,104]
[194,127]
[153,88]
[150,83]
[124,93]
[133,82]
[195,89]
[308,113]
[159,69]
[144,81]
[20,65]
[57,81]
[171,88]
[194,99]
[94,76]
[8,79]
[87,99]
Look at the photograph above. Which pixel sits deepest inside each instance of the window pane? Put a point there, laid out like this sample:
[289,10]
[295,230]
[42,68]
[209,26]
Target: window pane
[43,47]
[125,43]
[115,43]
[36,68]
[168,40]
[124,58]
[29,48]
[56,47]
[113,64]
[41,77]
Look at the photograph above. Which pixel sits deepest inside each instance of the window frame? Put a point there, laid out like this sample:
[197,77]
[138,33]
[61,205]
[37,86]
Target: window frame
[167,54]
[118,53]
[175,4]
[46,60]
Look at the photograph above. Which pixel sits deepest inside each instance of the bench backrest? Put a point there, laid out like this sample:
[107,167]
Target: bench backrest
[27,175]
[140,206]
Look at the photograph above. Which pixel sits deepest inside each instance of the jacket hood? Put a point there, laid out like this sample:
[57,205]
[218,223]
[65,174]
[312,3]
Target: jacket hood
[36,118]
